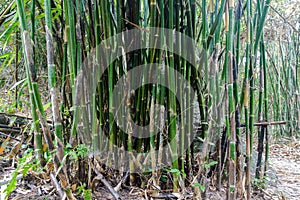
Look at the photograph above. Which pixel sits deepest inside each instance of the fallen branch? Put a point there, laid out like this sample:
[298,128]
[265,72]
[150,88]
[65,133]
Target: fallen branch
[2,114]
[266,123]
[118,187]
[171,196]
[9,130]
[10,127]
[10,136]
[266,193]
[60,191]
[105,182]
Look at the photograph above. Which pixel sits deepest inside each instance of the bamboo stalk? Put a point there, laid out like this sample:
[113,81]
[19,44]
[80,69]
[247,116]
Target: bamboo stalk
[32,80]
[172,100]
[228,66]
[239,155]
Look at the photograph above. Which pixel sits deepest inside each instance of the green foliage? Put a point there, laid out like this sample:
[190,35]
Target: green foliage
[176,172]
[7,104]
[80,152]
[200,186]
[210,164]
[85,193]
[25,163]
[259,183]
[164,178]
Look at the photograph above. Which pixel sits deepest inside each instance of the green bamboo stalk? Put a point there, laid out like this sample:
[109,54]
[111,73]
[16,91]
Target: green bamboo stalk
[31,77]
[261,130]
[266,107]
[158,95]
[259,30]
[58,157]
[172,100]
[161,94]
[71,31]
[17,43]
[237,102]
[108,31]
[143,92]
[52,74]
[63,69]
[204,37]
[212,12]
[201,99]
[180,66]
[100,113]
[191,31]
[32,17]
[246,100]
[228,66]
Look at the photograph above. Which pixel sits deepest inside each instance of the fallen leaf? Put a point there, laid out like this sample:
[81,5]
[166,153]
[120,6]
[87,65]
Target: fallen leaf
[2,148]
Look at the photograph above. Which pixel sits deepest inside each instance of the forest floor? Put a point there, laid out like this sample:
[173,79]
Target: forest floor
[284,170]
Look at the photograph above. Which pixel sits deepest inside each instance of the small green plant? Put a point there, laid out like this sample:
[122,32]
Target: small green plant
[200,186]
[81,151]
[259,183]
[177,172]
[210,164]
[25,163]
[86,193]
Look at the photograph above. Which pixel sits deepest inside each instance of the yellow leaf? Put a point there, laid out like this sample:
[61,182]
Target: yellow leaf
[45,146]
[1,150]
[73,187]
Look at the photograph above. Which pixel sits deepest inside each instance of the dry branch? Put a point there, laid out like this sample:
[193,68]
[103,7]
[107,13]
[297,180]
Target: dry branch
[267,123]
[106,183]
[61,193]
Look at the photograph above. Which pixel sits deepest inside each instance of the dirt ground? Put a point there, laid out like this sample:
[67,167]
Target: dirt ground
[285,162]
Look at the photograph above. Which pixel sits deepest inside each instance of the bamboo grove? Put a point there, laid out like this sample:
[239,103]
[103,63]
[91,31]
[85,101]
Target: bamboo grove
[245,83]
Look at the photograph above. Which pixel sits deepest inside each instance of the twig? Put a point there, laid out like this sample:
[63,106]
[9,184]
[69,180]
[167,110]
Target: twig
[170,196]
[266,193]
[1,133]
[117,188]
[11,130]
[22,116]
[266,123]
[61,193]
[105,182]
[6,12]
[284,19]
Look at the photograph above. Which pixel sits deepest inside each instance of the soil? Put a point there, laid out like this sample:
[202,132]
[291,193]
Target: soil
[285,162]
